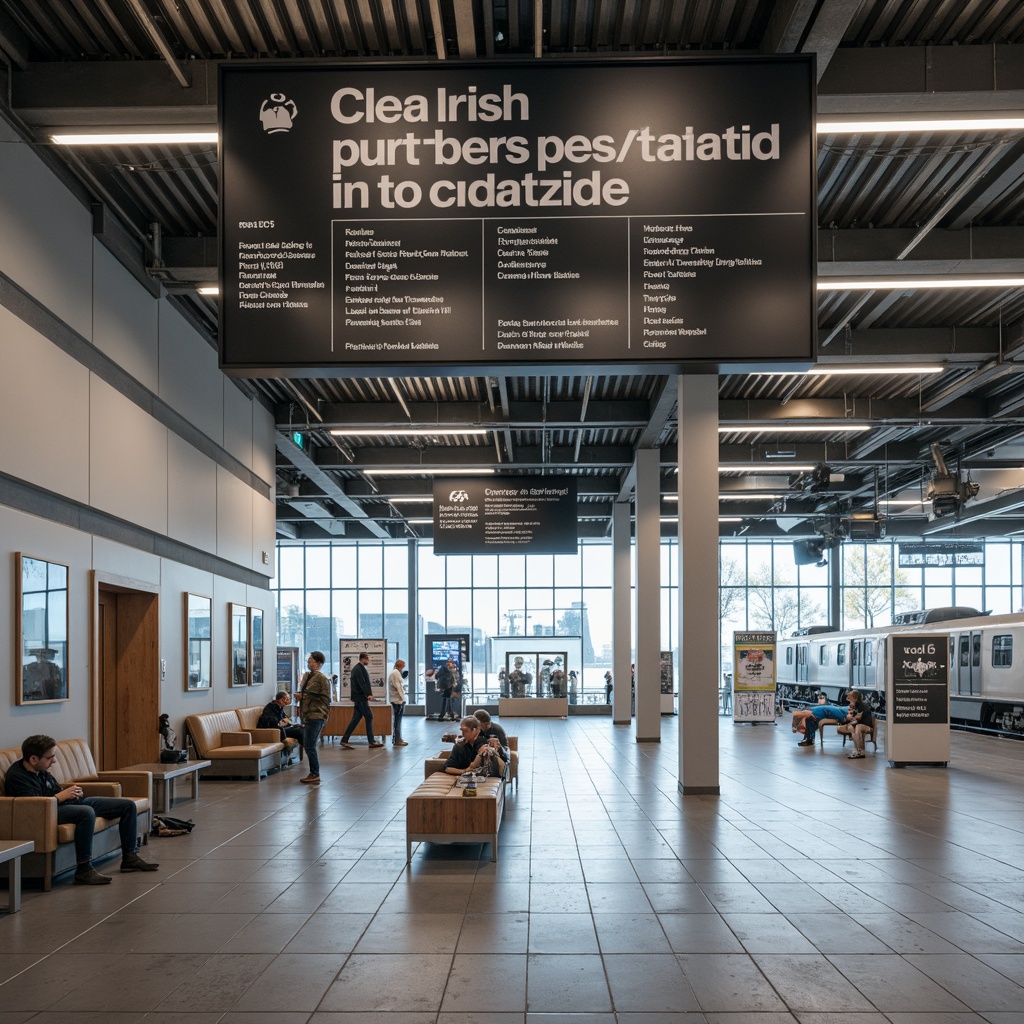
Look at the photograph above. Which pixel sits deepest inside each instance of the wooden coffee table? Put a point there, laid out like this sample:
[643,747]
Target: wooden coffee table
[163,780]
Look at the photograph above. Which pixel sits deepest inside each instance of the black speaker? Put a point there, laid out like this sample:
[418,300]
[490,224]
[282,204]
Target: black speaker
[808,552]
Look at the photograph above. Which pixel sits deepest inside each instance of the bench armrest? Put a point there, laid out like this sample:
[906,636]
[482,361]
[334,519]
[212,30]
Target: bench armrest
[237,739]
[30,817]
[432,765]
[133,784]
[266,735]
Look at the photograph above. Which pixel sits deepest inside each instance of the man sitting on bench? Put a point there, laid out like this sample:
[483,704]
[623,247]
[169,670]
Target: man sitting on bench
[31,777]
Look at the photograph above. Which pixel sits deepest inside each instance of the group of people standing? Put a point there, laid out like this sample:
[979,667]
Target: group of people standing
[315,707]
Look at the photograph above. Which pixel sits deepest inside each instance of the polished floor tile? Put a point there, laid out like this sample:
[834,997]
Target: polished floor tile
[614,900]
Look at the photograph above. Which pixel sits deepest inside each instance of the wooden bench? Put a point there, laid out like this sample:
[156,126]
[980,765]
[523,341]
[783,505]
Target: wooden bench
[871,738]
[437,812]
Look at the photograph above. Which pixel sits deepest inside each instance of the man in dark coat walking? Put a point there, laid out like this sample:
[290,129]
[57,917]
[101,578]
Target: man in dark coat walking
[361,693]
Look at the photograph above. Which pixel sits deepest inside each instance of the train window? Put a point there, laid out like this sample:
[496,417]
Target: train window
[801,654]
[841,654]
[1002,651]
[823,654]
[976,650]
[868,652]
[855,654]
[789,655]
[965,652]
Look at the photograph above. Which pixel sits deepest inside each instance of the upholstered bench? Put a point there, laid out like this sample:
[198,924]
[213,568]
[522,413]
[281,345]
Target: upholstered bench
[437,812]
[35,817]
[436,764]
[218,737]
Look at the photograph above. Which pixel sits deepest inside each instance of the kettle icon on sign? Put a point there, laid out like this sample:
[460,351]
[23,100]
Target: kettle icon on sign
[278,113]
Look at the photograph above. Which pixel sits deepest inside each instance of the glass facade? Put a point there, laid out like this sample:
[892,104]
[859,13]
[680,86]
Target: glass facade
[329,590]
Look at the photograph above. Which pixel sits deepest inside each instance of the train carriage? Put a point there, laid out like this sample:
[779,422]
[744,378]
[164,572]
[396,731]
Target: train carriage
[986,672]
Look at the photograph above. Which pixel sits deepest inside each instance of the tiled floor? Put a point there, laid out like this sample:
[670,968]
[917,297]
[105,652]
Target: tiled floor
[815,889]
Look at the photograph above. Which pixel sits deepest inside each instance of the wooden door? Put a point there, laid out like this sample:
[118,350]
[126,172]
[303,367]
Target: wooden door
[128,694]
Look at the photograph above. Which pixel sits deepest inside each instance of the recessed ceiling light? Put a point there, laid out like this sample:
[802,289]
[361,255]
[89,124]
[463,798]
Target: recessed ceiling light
[863,284]
[136,138]
[407,431]
[922,124]
[768,467]
[807,428]
[427,471]
[409,500]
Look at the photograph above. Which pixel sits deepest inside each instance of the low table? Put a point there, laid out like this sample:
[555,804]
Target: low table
[437,812]
[11,851]
[163,780]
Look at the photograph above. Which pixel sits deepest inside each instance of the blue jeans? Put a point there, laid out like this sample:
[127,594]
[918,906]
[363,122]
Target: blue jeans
[362,710]
[450,706]
[83,814]
[396,719]
[311,729]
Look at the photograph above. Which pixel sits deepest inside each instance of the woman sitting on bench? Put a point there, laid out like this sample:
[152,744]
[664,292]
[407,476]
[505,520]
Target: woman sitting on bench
[859,723]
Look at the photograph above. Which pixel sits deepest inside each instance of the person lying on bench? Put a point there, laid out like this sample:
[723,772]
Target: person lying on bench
[819,714]
[31,777]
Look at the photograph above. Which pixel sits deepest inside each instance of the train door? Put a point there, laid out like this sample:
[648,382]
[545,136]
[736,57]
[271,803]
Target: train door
[801,663]
[860,657]
[968,662]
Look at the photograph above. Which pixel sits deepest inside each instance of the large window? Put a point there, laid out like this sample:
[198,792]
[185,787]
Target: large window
[349,589]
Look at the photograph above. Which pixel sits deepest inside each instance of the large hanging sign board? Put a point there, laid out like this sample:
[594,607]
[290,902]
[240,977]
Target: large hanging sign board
[753,677]
[917,700]
[349,651]
[477,215]
[505,515]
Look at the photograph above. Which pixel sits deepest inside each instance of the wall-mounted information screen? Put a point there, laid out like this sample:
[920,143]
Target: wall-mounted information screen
[477,215]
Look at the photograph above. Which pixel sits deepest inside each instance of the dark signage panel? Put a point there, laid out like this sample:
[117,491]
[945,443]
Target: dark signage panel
[502,214]
[920,668]
[505,515]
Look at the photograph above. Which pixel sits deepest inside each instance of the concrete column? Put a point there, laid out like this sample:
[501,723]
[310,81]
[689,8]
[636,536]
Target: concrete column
[835,588]
[698,590]
[411,655]
[622,627]
[647,531]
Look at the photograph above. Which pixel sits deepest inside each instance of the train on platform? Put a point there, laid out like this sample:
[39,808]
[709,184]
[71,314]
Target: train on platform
[986,665]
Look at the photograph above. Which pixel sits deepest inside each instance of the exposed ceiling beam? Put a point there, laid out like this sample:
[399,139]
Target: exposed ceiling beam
[302,462]
[907,80]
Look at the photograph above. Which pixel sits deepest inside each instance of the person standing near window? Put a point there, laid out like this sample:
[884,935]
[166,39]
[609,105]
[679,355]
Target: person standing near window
[314,707]
[396,694]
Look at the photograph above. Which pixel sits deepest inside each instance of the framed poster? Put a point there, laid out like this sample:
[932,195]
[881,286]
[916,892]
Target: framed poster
[349,651]
[41,629]
[238,626]
[287,668]
[198,642]
[255,646]
[754,677]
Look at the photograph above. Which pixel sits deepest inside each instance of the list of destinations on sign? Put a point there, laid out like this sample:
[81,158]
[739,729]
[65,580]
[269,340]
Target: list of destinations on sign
[517,214]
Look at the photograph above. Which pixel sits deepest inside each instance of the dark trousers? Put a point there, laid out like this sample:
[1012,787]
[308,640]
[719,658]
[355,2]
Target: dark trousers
[311,729]
[361,710]
[396,719]
[84,813]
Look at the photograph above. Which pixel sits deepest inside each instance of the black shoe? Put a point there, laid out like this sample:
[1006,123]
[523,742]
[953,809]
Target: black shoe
[806,743]
[90,876]
[133,862]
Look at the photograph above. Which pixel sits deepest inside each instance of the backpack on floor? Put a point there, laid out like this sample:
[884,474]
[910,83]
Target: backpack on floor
[164,825]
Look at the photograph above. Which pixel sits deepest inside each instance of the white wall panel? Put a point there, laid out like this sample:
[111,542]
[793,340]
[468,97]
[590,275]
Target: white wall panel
[128,460]
[44,416]
[122,560]
[264,533]
[237,423]
[190,381]
[234,519]
[264,458]
[42,539]
[45,237]
[125,319]
[191,495]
